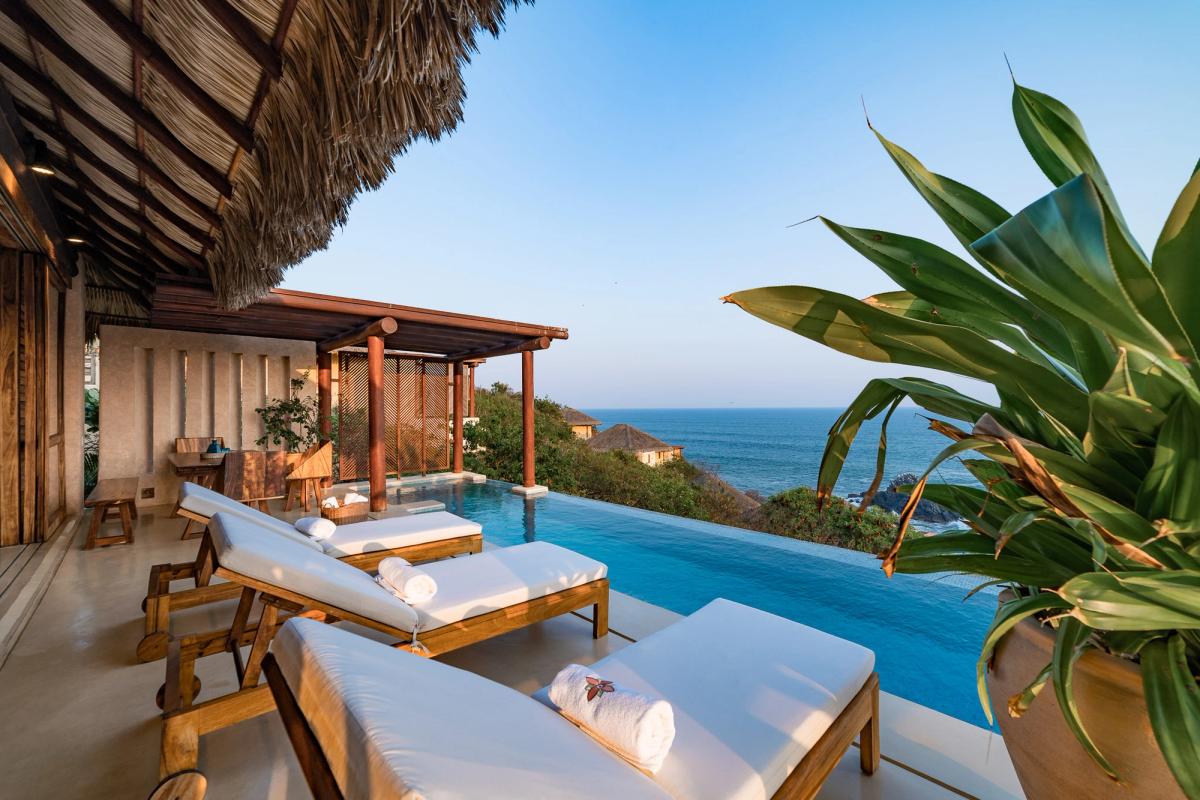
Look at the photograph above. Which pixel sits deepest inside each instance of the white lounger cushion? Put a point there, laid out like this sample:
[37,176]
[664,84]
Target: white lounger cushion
[395,725]
[467,587]
[392,532]
[242,547]
[207,503]
[751,692]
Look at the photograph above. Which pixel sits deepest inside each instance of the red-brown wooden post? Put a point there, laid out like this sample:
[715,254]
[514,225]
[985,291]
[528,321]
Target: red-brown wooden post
[471,392]
[458,416]
[325,395]
[377,475]
[527,465]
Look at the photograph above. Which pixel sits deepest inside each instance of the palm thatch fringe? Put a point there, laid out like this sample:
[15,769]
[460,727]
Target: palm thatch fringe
[364,80]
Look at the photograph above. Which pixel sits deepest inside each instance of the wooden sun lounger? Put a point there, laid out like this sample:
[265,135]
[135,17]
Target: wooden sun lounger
[161,600]
[185,721]
[717,751]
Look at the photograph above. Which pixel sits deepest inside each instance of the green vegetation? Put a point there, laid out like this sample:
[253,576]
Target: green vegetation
[567,464]
[91,439]
[290,421]
[1089,507]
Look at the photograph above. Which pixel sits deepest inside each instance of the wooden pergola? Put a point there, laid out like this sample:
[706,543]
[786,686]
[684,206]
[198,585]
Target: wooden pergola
[333,323]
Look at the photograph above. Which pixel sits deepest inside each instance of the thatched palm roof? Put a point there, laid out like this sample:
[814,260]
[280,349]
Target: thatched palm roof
[226,138]
[574,416]
[627,438]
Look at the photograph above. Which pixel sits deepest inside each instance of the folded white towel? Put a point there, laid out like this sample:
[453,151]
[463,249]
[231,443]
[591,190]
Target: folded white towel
[316,527]
[638,727]
[410,584]
[353,497]
[329,502]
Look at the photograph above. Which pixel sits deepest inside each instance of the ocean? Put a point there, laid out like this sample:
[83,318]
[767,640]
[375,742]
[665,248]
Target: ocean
[768,450]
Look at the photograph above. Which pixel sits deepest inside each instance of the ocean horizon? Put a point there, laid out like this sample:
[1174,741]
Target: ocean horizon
[770,450]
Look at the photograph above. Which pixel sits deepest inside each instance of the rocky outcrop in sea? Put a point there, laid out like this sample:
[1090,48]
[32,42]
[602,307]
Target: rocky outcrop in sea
[892,499]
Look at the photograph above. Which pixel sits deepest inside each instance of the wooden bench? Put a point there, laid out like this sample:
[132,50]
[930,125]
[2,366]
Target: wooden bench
[112,496]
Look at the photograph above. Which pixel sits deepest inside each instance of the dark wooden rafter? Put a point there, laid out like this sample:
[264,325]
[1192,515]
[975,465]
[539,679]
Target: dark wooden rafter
[84,183]
[243,30]
[286,10]
[131,279]
[64,103]
[153,55]
[38,29]
[527,346]
[153,234]
[118,248]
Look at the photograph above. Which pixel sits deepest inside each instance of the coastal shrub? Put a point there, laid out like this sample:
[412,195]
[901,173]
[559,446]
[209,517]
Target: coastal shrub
[796,514]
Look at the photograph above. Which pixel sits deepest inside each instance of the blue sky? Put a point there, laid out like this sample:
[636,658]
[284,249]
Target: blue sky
[623,164]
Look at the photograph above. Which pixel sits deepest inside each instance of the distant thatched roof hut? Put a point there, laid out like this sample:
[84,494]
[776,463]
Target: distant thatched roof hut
[582,425]
[219,140]
[647,448]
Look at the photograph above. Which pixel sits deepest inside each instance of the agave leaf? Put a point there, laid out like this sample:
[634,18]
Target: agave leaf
[971,553]
[1072,637]
[1174,257]
[1135,601]
[877,395]
[1007,617]
[1173,703]
[1169,489]
[1014,525]
[965,211]
[1054,137]
[1066,250]
[945,280]
[1019,703]
[880,460]
[856,328]
[906,304]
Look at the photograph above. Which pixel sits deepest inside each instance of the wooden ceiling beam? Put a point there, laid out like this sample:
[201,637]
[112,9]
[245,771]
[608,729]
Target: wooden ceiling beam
[67,105]
[157,58]
[37,28]
[87,184]
[119,249]
[385,326]
[540,343]
[243,30]
[90,207]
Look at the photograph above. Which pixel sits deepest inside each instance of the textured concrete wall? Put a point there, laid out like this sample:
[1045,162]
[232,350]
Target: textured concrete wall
[158,385]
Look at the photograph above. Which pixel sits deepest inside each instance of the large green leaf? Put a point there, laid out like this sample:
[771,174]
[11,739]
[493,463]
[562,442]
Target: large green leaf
[965,211]
[1176,257]
[1009,615]
[1135,601]
[1173,704]
[1065,250]
[1072,638]
[1054,137]
[856,328]
[947,281]
[1170,489]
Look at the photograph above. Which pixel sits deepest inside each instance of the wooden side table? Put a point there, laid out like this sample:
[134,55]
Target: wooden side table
[116,496]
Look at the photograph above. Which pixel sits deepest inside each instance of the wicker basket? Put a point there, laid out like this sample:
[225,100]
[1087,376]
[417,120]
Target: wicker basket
[346,515]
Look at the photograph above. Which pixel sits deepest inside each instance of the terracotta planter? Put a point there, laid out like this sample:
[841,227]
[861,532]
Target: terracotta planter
[1108,692]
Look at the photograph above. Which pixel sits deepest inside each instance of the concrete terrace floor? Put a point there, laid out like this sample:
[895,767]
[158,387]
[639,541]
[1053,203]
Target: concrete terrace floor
[79,720]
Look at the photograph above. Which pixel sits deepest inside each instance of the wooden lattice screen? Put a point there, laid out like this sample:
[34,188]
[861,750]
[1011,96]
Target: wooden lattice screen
[416,415]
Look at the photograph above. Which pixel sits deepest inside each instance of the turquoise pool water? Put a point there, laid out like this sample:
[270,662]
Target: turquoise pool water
[925,637]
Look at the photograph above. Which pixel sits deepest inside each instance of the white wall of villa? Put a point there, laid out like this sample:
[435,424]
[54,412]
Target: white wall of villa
[159,385]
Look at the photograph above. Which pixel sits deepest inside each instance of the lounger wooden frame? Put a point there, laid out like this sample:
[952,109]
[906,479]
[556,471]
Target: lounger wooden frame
[160,600]
[859,720]
[184,721]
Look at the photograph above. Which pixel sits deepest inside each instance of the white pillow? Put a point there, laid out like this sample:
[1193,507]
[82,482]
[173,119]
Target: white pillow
[316,527]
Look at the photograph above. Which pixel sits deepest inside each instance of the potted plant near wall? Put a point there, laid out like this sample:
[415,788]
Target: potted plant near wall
[1088,504]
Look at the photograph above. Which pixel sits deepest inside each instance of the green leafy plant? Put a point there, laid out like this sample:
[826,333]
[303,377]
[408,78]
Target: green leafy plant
[290,421]
[1089,462]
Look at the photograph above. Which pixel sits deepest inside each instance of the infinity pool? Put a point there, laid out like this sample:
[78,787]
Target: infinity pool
[925,637]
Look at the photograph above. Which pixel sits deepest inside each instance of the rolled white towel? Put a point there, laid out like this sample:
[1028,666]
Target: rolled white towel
[329,502]
[353,497]
[638,727]
[317,528]
[410,584]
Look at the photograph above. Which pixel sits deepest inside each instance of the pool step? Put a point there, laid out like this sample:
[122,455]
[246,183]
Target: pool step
[422,506]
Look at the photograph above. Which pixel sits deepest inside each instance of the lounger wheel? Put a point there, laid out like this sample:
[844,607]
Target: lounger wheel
[160,697]
[153,646]
[186,785]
